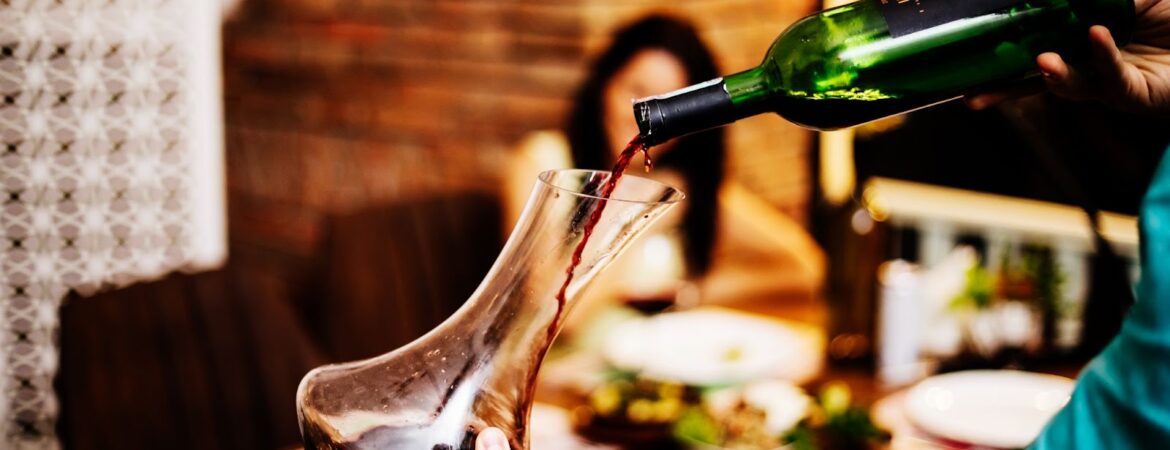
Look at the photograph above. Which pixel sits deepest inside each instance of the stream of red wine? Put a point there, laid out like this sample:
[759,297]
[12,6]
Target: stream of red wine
[632,148]
[619,168]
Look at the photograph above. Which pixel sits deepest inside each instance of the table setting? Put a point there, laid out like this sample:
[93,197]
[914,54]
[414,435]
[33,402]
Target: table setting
[715,378]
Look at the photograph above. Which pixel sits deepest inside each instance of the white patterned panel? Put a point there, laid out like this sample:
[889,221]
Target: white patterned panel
[110,169]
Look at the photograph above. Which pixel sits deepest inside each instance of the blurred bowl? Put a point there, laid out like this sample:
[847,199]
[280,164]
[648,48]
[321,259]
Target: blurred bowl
[713,347]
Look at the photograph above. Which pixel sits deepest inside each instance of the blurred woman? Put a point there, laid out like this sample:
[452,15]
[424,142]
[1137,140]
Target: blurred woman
[723,240]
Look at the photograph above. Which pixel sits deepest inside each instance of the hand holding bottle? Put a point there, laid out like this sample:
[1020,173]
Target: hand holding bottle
[491,439]
[1135,78]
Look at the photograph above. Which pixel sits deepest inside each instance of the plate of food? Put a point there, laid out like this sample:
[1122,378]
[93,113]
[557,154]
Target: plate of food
[777,415]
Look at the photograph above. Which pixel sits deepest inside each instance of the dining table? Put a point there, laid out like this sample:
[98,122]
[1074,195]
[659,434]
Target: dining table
[559,395]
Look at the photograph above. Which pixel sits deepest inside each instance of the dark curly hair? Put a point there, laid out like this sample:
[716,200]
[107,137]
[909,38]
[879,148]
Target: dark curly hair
[699,158]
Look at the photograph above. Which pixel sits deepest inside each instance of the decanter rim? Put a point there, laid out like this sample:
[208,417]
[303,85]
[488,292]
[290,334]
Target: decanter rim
[670,194]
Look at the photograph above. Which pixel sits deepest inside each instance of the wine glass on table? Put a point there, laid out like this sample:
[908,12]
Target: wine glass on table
[657,279]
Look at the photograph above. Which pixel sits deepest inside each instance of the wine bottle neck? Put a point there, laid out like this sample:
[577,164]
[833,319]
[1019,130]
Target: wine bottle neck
[748,88]
[700,107]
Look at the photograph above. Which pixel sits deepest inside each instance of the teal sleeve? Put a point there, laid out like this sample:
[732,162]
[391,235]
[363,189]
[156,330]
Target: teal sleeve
[1122,399]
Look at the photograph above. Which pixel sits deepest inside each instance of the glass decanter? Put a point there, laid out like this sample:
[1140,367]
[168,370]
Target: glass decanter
[478,368]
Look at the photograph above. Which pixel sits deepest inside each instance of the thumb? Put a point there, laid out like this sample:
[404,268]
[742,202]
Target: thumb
[1117,77]
[491,439]
[1061,78]
[1106,56]
[1111,78]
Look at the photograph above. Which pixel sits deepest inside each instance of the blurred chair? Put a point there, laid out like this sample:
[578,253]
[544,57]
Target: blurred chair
[213,360]
[392,273]
[210,360]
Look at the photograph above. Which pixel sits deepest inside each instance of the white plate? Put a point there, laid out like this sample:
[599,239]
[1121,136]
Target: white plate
[994,408]
[713,346]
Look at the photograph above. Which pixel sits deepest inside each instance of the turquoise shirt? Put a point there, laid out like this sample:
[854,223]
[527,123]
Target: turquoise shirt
[1122,399]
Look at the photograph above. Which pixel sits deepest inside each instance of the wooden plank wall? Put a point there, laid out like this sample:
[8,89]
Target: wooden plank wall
[335,104]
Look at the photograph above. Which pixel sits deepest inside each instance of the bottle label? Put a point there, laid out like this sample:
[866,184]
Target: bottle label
[908,16]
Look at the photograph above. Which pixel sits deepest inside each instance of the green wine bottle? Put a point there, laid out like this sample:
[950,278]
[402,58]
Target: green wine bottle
[874,58]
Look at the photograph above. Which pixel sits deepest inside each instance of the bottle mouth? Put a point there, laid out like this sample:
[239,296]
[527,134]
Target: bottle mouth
[589,183]
[688,110]
[648,112]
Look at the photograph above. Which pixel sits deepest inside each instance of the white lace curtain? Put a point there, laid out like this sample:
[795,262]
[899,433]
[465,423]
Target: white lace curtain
[111,170]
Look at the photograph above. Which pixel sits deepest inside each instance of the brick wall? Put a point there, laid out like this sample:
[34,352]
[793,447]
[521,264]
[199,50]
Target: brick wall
[334,104]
